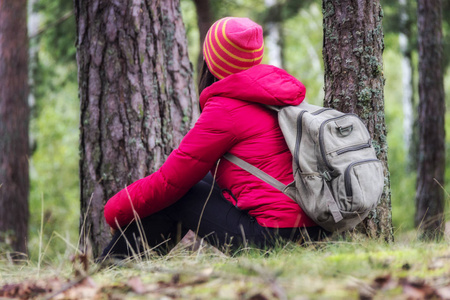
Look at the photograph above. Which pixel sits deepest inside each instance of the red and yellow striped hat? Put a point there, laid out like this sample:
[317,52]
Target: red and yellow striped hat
[233,45]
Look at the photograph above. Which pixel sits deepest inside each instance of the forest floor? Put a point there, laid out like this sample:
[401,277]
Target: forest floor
[340,269]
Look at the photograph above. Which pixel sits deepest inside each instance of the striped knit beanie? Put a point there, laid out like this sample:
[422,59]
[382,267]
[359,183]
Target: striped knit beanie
[233,45]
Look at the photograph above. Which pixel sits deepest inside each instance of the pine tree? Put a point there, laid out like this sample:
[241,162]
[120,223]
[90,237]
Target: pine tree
[136,92]
[354,82]
[431,166]
[14,119]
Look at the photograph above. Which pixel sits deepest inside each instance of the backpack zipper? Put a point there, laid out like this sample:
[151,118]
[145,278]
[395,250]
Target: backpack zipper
[320,111]
[299,138]
[353,148]
[322,151]
[347,180]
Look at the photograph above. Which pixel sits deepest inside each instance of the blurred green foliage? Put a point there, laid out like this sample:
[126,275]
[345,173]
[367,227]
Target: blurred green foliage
[54,130]
[54,126]
[303,50]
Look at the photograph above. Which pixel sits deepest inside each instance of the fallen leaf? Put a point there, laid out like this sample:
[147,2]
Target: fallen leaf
[193,244]
[79,288]
[207,272]
[416,289]
[443,292]
[258,296]
[366,292]
[384,282]
[24,290]
[136,285]
[436,264]
[78,293]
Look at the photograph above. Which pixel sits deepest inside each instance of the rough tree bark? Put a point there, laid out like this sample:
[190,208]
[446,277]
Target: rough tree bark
[14,119]
[431,167]
[353,46]
[136,91]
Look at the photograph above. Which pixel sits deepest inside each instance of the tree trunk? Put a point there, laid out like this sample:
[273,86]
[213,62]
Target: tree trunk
[14,119]
[407,78]
[204,22]
[431,167]
[353,46]
[136,91]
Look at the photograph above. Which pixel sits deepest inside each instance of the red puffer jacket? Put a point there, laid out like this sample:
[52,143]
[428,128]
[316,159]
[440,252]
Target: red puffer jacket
[232,120]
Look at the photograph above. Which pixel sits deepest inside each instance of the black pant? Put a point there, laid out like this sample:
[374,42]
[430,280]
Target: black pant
[219,222]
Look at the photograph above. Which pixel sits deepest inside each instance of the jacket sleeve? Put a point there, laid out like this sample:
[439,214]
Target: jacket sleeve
[210,138]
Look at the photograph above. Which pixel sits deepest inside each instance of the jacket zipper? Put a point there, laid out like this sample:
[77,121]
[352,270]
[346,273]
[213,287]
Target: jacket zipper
[299,138]
[353,148]
[347,180]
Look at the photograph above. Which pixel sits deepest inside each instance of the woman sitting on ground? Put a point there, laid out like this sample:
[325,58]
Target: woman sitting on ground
[229,206]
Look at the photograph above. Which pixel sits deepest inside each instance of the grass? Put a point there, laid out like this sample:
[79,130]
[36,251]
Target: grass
[339,269]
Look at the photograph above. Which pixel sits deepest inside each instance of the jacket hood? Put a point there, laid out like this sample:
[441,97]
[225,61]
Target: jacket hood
[263,84]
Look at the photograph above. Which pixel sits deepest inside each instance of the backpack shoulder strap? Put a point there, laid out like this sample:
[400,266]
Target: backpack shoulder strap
[304,105]
[255,171]
[273,107]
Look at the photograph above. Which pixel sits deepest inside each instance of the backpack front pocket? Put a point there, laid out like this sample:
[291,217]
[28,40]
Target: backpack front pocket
[341,135]
[364,182]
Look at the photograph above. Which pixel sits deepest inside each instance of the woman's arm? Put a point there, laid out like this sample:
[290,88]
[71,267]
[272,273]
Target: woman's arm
[211,137]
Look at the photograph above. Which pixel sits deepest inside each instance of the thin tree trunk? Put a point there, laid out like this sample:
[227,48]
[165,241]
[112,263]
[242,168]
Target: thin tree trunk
[410,140]
[136,91]
[14,119]
[353,46]
[204,22]
[430,175]
[407,85]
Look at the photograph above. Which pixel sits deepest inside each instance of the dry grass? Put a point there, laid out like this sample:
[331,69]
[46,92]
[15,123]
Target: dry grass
[340,269]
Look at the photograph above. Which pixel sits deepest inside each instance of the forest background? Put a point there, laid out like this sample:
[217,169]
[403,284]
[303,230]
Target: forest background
[54,193]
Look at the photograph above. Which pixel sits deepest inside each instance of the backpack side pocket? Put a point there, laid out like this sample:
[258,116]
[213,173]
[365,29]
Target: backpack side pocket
[315,198]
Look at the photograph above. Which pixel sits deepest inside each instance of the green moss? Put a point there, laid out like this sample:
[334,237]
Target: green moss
[380,127]
[358,50]
[376,147]
[336,102]
[186,117]
[362,77]
[365,95]
[328,9]
[377,69]
[368,50]
[141,111]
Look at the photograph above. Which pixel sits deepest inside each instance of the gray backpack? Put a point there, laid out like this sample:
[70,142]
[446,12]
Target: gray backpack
[337,178]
